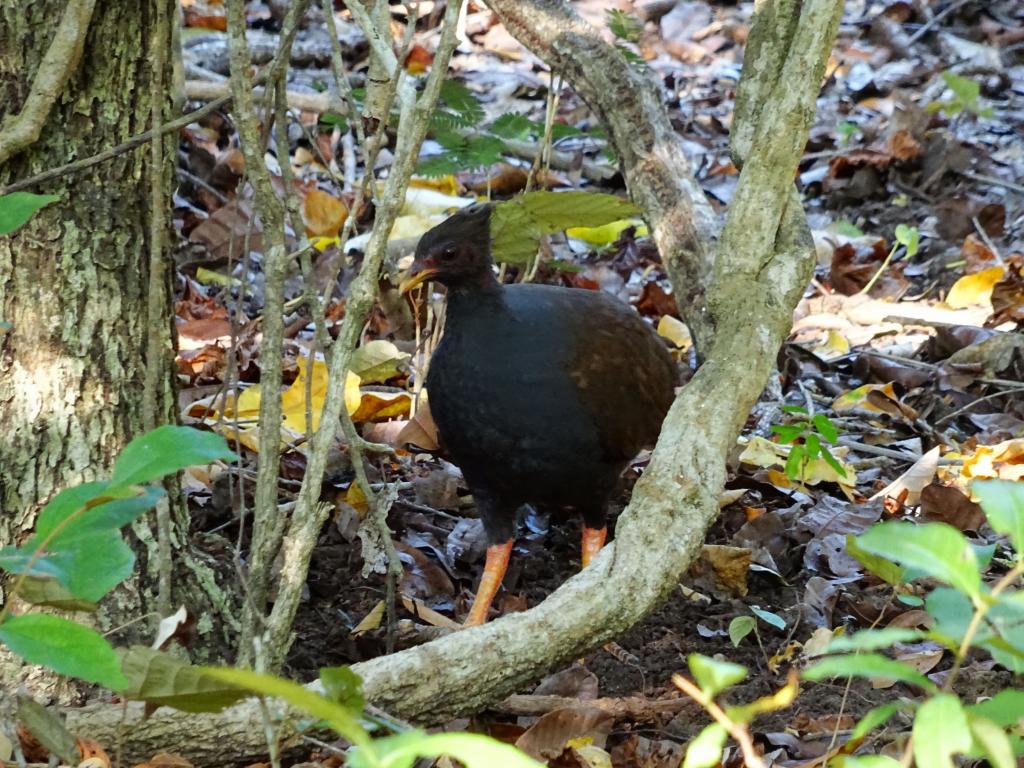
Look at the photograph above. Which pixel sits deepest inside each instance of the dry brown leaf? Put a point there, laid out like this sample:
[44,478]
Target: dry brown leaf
[548,737]
[908,486]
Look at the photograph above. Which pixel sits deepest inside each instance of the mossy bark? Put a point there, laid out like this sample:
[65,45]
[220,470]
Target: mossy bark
[73,282]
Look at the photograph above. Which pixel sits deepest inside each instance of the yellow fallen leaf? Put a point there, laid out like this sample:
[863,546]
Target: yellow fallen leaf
[1003,460]
[293,401]
[380,406]
[446,185]
[371,620]
[675,331]
[858,398]
[607,234]
[835,345]
[974,289]
[323,214]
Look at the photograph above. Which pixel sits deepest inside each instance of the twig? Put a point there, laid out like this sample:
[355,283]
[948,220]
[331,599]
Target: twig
[928,25]
[120,149]
[413,121]
[738,731]
[995,181]
[158,342]
[21,130]
[268,524]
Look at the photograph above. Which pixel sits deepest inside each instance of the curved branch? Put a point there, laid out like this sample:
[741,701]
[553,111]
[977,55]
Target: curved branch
[18,131]
[657,172]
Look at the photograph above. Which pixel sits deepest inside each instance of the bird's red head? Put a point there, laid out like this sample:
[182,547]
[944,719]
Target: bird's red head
[455,253]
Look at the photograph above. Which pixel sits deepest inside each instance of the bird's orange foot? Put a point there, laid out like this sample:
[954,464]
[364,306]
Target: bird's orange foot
[494,571]
[593,540]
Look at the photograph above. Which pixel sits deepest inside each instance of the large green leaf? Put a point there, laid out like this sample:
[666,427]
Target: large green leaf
[64,647]
[870,665]
[873,639]
[1006,708]
[991,741]
[940,731]
[518,224]
[166,450]
[161,679]
[1002,501]
[303,699]
[345,687]
[705,751]
[714,676]
[89,565]
[108,508]
[18,207]
[882,567]
[471,749]
[934,549]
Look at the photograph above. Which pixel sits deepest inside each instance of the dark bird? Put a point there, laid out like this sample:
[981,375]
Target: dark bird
[541,394]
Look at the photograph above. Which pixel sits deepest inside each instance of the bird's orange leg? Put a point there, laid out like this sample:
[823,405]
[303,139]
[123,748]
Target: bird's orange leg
[593,540]
[494,571]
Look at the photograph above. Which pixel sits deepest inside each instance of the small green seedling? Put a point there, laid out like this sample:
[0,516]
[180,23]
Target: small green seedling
[906,237]
[964,96]
[808,438]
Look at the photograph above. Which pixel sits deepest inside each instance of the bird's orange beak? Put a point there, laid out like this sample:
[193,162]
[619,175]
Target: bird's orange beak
[417,275]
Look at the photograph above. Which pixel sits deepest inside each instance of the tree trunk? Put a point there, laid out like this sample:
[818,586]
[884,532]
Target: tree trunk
[74,281]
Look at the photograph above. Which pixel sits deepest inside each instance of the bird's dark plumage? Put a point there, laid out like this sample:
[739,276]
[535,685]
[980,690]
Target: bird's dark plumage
[541,394]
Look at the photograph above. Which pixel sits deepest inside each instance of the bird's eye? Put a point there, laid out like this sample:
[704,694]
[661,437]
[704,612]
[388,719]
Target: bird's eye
[449,253]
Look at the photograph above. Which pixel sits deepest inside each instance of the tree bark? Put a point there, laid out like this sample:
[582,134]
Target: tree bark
[74,283]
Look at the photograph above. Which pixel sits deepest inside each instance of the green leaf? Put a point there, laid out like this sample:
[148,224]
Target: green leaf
[345,687]
[462,102]
[164,451]
[795,462]
[874,718]
[935,549]
[334,120]
[439,165]
[833,462]
[847,228]
[471,749]
[109,508]
[940,731]
[162,680]
[303,699]
[739,628]
[714,676]
[768,617]
[873,639]
[705,750]
[512,125]
[48,730]
[882,567]
[624,25]
[1006,708]
[50,592]
[788,433]
[1002,501]
[89,565]
[18,207]
[869,665]
[63,646]
[908,237]
[967,91]
[794,409]
[812,444]
[825,427]
[555,211]
[515,236]
[991,740]
[952,612]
